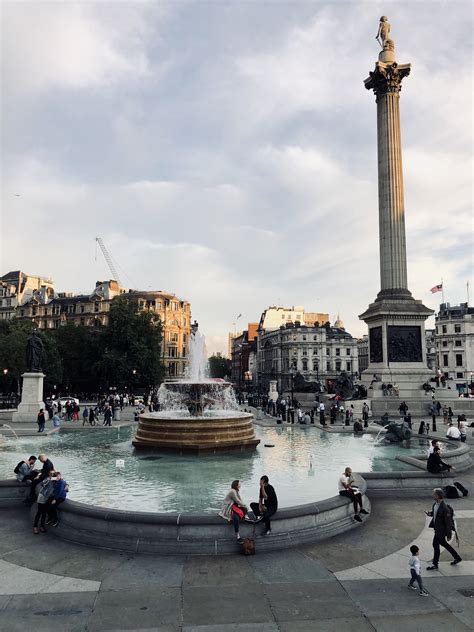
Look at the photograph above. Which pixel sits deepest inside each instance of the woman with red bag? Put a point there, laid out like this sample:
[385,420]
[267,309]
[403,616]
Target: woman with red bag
[233,508]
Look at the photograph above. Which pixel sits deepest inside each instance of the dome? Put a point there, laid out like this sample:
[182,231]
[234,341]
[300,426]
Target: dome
[339,324]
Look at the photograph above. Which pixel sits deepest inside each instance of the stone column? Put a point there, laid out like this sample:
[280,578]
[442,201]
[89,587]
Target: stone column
[386,81]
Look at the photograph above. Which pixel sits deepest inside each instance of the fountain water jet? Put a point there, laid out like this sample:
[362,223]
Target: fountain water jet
[197,414]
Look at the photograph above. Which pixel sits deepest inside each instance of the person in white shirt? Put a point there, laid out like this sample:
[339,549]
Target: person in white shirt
[415,571]
[453,433]
[346,488]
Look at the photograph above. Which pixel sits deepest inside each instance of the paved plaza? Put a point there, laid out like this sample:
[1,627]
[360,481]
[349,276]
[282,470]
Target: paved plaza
[354,582]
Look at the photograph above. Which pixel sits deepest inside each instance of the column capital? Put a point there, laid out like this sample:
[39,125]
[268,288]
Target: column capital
[387,78]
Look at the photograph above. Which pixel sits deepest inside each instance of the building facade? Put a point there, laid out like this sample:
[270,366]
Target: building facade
[273,317]
[319,354]
[455,343]
[243,354]
[35,300]
[363,352]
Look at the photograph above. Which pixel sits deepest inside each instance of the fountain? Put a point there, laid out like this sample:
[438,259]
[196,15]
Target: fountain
[197,414]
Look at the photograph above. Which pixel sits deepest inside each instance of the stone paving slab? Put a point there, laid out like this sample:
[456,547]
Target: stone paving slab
[419,623]
[322,600]
[210,571]
[19,580]
[136,608]
[233,627]
[379,598]
[145,571]
[288,567]
[224,605]
[353,624]
[43,613]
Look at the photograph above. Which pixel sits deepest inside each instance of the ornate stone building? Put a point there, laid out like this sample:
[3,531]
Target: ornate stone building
[455,343]
[319,354]
[33,298]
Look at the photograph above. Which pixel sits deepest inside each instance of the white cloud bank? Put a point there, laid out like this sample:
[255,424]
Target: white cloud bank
[228,153]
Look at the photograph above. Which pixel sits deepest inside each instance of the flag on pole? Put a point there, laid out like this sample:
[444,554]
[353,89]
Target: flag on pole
[437,288]
[238,316]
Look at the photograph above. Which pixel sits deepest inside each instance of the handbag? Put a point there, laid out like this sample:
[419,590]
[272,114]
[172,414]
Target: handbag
[238,511]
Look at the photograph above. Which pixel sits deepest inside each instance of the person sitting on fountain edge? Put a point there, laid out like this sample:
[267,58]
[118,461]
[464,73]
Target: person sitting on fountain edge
[267,505]
[233,508]
[347,488]
[435,464]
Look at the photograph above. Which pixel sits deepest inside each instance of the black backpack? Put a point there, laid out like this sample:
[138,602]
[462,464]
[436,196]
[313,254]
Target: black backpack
[17,467]
[461,488]
[451,492]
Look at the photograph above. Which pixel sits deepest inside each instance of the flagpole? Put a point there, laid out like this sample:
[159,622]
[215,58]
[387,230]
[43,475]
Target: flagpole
[442,289]
[467,291]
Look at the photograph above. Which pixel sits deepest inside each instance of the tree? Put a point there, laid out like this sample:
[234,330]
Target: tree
[219,366]
[80,350]
[131,346]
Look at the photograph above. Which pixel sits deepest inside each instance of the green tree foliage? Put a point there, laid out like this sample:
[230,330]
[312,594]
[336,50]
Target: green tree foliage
[13,340]
[81,359]
[131,346]
[219,366]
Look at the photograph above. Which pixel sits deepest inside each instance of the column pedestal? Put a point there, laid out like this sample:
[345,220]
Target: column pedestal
[31,398]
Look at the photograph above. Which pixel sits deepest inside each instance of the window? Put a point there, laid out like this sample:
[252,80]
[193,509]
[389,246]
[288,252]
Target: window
[327,351]
[294,337]
[283,316]
[458,343]
[338,365]
[338,351]
[83,321]
[305,364]
[459,376]
[458,359]
[96,307]
[348,352]
[445,329]
[457,329]
[34,311]
[315,337]
[328,366]
[445,343]
[445,359]
[315,366]
[82,309]
[348,366]
[305,353]
[315,352]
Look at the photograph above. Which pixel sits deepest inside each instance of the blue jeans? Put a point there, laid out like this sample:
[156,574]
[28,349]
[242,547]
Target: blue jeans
[416,578]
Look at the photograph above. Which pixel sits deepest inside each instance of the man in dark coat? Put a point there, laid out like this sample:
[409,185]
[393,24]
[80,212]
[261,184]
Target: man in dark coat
[442,523]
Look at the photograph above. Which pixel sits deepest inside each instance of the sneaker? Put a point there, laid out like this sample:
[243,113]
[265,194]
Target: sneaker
[456,561]
[411,587]
[48,521]
[358,518]
[432,567]
[364,511]
[267,532]
[240,541]
[423,593]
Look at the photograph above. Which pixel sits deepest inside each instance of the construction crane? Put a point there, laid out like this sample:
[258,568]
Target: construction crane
[108,259]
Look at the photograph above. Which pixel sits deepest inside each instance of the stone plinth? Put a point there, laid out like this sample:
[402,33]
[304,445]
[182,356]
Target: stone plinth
[31,398]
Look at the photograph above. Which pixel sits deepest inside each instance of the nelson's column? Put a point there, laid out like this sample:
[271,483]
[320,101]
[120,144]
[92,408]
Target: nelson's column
[397,353]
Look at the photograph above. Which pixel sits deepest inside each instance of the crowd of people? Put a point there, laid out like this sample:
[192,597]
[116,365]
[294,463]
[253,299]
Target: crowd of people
[46,487]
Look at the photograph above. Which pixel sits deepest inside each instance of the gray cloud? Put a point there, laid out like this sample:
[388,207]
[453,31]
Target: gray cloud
[228,153]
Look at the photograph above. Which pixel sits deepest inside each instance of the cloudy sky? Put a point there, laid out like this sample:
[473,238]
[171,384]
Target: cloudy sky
[226,151]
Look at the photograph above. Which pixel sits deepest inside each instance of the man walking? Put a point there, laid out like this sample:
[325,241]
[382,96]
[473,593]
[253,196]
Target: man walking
[442,523]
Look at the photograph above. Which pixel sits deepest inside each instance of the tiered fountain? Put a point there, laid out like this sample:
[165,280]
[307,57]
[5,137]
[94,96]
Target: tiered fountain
[198,414]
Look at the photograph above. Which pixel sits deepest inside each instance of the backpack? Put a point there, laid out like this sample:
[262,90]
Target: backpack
[248,547]
[17,467]
[451,491]
[461,488]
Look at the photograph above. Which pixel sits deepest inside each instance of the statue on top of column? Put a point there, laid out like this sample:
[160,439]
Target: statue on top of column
[383,34]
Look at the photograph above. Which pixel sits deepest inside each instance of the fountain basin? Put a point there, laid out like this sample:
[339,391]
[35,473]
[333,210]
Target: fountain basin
[213,432]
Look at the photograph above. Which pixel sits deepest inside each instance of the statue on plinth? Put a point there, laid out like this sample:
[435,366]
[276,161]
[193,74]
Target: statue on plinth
[34,353]
[383,34]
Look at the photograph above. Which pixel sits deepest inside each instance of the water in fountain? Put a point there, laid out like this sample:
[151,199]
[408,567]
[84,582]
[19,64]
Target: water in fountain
[197,395]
